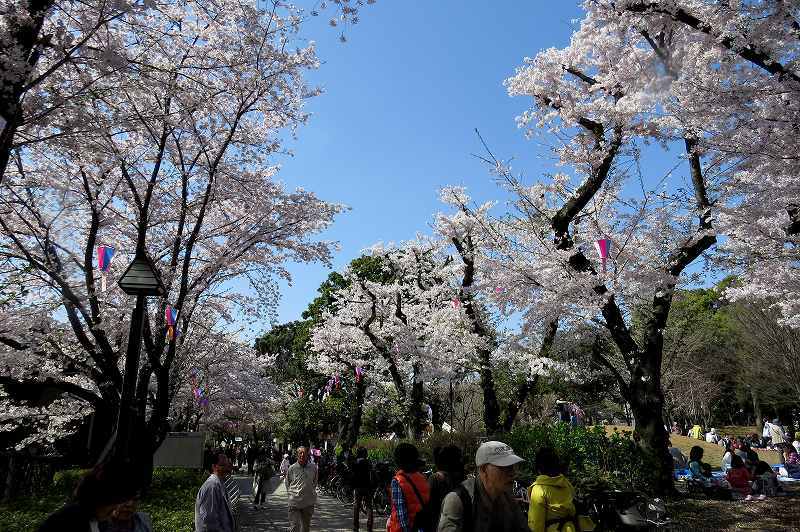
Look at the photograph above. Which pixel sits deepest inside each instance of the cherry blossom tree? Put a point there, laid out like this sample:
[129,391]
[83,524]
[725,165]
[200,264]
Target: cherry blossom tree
[179,165]
[605,100]
[747,106]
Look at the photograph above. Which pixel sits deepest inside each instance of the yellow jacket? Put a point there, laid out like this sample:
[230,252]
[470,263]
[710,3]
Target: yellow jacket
[551,498]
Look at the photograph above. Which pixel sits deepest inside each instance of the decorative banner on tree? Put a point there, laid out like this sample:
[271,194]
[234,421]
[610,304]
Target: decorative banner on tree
[337,382]
[456,303]
[171,316]
[498,290]
[105,254]
[603,247]
[359,374]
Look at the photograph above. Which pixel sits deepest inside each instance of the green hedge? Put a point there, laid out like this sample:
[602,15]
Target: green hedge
[594,458]
[170,501]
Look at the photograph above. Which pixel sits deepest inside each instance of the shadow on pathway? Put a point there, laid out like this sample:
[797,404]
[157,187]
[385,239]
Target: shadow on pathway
[329,515]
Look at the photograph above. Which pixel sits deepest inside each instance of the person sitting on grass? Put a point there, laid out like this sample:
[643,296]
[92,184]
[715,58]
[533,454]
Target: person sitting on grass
[739,478]
[727,458]
[765,480]
[678,459]
[700,470]
[791,460]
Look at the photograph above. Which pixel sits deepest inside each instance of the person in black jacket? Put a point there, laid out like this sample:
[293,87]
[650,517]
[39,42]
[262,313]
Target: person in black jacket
[98,494]
[362,488]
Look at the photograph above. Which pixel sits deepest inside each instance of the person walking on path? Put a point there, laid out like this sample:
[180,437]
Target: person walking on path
[485,503]
[449,474]
[362,488]
[285,465]
[264,471]
[409,491]
[301,485]
[212,510]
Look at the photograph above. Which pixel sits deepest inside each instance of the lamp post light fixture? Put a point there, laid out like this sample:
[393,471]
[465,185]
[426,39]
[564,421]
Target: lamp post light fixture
[141,279]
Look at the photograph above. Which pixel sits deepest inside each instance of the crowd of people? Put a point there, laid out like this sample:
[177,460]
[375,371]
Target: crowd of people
[446,500]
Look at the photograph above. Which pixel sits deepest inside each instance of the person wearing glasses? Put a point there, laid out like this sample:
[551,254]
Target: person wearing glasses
[301,485]
[485,503]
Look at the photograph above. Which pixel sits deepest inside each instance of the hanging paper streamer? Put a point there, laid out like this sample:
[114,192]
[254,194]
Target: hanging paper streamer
[337,382]
[603,247]
[498,290]
[105,254]
[456,303]
[172,329]
[359,374]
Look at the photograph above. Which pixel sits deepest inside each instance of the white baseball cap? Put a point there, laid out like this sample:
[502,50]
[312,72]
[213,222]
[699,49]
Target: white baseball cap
[496,453]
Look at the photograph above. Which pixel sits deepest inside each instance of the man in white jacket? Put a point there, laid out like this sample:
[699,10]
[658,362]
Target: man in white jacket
[301,485]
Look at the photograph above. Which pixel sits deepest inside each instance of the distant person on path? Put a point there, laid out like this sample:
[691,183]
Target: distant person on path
[362,489]
[212,510]
[409,490]
[264,471]
[449,474]
[125,518]
[252,453]
[485,503]
[98,494]
[301,485]
[284,465]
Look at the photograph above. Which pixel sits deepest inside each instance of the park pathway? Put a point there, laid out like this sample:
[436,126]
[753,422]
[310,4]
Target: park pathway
[329,515]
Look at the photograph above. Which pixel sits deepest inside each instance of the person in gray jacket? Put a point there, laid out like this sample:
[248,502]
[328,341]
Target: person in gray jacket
[212,510]
[485,503]
[301,485]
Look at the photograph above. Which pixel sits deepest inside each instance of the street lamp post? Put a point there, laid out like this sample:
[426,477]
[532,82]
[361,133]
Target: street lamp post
[141,279]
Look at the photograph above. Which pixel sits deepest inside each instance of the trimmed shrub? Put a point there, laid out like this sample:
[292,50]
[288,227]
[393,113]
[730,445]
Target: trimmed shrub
[593,459]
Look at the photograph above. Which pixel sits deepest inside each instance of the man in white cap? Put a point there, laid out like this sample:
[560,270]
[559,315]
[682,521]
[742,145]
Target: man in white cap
[485,503]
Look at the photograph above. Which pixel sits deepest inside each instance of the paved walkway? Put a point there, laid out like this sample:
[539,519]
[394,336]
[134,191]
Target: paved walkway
[329,515]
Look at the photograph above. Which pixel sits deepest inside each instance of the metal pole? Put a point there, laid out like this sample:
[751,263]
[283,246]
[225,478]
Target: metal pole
[127,406]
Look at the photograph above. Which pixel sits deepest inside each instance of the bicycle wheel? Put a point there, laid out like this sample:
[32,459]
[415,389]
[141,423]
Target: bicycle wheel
[345,494]
[380,502]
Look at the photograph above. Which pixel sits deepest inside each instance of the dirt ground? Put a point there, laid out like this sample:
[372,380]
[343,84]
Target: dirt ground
[776,514]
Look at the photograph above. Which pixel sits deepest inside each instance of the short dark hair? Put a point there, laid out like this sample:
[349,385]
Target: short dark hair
[406,457]
[547,462]
[695,453]
[448,458]
[211,458]
[736,461]
[107,484]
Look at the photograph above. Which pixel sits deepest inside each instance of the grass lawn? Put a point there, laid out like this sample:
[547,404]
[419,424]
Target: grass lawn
[712,453]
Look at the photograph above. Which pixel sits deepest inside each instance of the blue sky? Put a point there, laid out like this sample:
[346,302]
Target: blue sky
[402,100]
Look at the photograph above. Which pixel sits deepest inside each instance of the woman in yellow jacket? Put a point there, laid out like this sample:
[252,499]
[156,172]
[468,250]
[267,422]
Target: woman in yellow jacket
[552,509]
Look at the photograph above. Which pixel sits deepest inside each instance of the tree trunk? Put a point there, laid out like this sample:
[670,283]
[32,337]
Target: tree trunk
[491,407]
[355,418]
[521,395]
[647,406]
[416,418]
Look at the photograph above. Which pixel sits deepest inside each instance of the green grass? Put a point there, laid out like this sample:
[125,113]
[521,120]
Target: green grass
[712,453]
[170,502]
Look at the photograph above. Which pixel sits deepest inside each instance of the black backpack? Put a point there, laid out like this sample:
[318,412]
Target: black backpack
[423,520]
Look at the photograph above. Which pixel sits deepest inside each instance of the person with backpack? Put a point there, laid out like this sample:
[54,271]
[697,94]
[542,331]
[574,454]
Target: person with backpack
[449,474]
[362,488]
[409,493]
[486,503]
[552,508]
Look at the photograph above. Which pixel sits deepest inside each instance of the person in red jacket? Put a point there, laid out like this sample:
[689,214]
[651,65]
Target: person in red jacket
[739,478]
[409,489]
